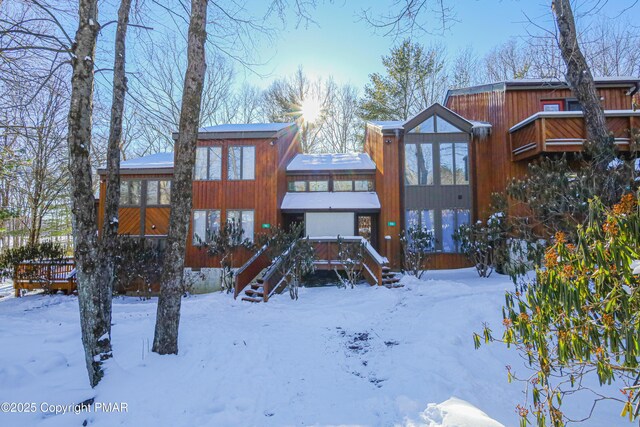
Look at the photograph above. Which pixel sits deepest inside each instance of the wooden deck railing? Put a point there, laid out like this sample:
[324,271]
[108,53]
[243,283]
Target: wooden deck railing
[49,275]
[564,131]
[327,258]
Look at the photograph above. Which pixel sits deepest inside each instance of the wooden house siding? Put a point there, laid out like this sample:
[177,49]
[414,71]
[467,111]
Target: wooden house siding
[388,158]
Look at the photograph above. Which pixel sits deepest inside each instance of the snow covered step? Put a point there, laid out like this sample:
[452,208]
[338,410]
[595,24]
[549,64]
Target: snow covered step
[251,299]
[254,293]
[256,286]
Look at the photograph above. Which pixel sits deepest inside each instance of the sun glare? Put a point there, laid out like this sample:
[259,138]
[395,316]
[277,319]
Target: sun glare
[311,110]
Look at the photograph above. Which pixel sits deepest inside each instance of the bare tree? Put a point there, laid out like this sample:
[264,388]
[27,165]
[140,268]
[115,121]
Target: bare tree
[580,79]
[343,124]
[507,61]
[466,69]
[168,317]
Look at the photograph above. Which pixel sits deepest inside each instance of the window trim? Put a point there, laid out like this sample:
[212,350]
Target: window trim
[242,147]
[433,161]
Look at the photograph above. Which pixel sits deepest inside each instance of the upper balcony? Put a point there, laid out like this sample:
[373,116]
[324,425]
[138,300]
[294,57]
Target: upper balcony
[564,131]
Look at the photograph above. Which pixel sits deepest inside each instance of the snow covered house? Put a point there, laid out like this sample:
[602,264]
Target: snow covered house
[437,169]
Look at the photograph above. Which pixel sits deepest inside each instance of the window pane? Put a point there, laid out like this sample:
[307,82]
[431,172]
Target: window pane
[297,185]
[165,192]
[200,172]
[213,223]
[424,127]
[464,217]
[318,185]
[234,162]
[124,192]
[448,228]
[135,193]
[425,163]
[446,163]
[233,216]
[248,162]
[363,185]
[247,224]
[462,163]
[412,218]
[427,220]
[446,127]
[215,163]
[199,227]
[342,185]
[152,192]
[410,164]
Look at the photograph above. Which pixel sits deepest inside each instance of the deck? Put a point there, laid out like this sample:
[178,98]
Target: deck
[52,276]
[564,132]
[263,277]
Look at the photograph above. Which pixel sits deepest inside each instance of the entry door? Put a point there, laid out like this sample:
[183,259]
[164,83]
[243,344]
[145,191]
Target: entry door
[366,227]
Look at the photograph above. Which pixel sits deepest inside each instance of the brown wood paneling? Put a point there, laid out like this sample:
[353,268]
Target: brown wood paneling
[156,221]
[388,157]
[129,222]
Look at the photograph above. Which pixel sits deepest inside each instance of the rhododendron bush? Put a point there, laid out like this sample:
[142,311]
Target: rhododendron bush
[577,323]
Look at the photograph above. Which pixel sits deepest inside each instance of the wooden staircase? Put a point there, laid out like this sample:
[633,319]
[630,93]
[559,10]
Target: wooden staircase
[390,279]
[255,292]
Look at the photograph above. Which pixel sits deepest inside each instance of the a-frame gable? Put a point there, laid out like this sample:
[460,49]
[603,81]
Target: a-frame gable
[428,117]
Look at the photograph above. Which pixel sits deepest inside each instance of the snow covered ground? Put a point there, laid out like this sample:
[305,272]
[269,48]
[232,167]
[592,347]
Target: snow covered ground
[368,356]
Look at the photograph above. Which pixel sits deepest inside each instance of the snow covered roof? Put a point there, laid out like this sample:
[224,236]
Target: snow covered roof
[388,124]
[248,127]
[331,162]
[324,201]
[162,161]
[540,114]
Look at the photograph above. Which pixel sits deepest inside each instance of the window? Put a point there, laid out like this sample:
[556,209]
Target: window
[454,163]
[208,164]
[419,164]
[158,193]
[342,185]
[443,126]
[411,164]
[242,163]
[205,224]
[297,186]
[436,124]
[318,185]
[451,220]
[130,192]
[363,185]
[573,105]
[245,218]
[552,105]
[420,218]
[446,164]
[428,126]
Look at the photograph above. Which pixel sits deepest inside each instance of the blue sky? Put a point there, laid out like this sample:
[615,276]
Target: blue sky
[344,46]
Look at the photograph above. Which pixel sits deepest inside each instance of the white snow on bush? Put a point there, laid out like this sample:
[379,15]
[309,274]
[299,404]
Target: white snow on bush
[368,356]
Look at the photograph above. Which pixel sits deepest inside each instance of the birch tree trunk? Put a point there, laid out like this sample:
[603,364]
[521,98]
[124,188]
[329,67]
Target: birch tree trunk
[580,79]
[109,240]
[96,336]
[168,315]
